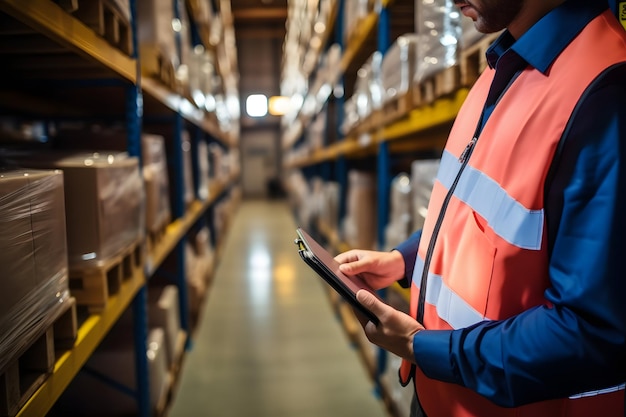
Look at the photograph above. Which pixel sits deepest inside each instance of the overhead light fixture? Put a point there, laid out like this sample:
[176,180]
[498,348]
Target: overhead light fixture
[279,105]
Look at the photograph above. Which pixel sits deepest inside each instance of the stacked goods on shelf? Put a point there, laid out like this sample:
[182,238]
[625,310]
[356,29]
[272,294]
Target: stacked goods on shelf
[350,115]
[316,133]
[329,212]
[359,229]
[397,71]
[105,390]
[156,184]
[298,190]
[108,18]
[199,259]
[400,224]
[163,312]
[354,13]
[368,91]
[202,77]
[203,170]
[156,39]
[104,207]
[34,288]
[423,174]
[438,25]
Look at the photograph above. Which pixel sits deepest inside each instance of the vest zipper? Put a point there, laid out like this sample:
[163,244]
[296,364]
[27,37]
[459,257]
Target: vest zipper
[463,159]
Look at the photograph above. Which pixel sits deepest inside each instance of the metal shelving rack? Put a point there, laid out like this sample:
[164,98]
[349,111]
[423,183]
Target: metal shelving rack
[114,68]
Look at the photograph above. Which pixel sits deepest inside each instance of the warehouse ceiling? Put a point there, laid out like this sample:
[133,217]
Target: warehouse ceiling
[259,19]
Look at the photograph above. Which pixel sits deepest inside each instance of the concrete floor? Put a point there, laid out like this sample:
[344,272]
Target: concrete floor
[268,343]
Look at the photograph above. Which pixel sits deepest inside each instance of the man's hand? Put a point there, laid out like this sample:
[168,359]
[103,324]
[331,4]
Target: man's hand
[378,269]
[394,332]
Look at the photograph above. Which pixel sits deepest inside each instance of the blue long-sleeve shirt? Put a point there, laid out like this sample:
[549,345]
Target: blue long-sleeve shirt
[578,343]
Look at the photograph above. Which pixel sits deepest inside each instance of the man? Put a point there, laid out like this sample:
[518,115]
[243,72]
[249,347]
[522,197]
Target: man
[517,275]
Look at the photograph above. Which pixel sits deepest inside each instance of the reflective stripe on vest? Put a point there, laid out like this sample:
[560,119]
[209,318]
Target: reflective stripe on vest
[490,259]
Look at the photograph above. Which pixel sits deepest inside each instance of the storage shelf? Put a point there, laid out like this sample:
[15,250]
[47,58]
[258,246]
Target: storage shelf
[51,20]
[177,103]
[179,227]
[90,334]
[441,113]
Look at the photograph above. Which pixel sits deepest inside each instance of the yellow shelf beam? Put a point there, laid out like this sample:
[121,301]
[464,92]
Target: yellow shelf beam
[51,20]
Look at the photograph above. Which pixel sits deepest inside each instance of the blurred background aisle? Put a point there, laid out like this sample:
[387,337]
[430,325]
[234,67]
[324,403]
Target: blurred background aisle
[267,343]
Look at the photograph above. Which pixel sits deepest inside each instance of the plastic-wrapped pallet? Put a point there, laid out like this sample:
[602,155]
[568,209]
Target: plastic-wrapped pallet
[438,24]
[400,217]
[368,89]
[355,11]
[203,170]
[163,312]
[423,174]
[33,255]
[156,38]
[359,227]
[399,66]
[350,115]
[330,209]
[104,203]
[156,182]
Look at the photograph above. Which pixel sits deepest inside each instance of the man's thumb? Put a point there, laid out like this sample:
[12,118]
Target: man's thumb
[369,301]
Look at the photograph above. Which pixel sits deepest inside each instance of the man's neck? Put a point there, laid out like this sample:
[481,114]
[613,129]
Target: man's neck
[531,13]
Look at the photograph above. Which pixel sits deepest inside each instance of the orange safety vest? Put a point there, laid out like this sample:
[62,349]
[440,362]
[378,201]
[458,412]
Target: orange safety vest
[490,259]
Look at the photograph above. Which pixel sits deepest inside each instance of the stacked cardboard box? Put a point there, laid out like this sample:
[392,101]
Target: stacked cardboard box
[399,66]
[156,182]
[359,226]
[423,174]
[104,203]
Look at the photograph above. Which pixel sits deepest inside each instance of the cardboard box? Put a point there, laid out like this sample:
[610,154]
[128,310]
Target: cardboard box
[104,202]
[156,182]
[164,312]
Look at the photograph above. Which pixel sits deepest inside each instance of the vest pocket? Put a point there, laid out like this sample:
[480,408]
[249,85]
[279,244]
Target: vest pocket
[471,268]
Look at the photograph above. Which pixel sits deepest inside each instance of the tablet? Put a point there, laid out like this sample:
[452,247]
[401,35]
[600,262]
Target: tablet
[326,267]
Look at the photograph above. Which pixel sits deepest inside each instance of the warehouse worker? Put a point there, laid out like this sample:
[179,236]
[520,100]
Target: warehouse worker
[518,276]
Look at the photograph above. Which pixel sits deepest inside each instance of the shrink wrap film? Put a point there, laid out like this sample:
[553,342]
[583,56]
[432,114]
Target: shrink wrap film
[400,217]
[399,66]
[360,221]
[33,253]
[156,181]
[423,175]
[368,89]
[163,310]
[104,202]
[439,30]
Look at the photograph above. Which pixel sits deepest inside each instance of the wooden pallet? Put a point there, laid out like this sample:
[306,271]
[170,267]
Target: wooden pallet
[438,85]
[155,65]
[106,19]
[473,60]
[155,237]
[35,362]
[93,284]
[396,108]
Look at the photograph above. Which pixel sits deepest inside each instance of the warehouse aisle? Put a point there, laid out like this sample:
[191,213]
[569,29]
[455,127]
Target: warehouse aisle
[268,343]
